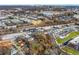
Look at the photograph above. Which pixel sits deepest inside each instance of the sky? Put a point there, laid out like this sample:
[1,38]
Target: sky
[39,2]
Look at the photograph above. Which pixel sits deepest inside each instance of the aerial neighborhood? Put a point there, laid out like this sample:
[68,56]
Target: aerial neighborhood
[39,30]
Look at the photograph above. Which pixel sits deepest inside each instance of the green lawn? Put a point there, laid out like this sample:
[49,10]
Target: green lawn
[70,50]
[70,36]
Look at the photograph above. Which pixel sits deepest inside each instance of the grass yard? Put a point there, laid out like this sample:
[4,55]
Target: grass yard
[68,37]
[70,50]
